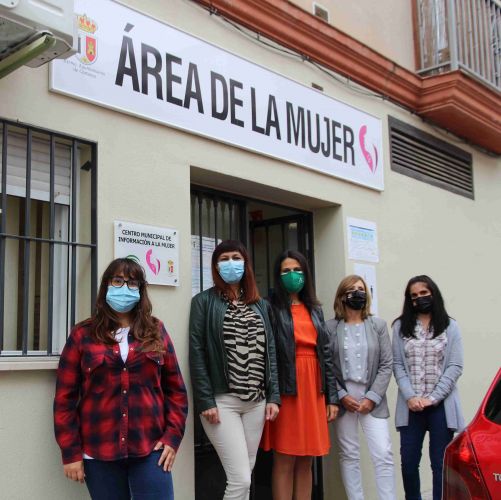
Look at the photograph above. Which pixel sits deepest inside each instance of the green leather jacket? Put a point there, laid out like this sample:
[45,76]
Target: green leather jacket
[208,363]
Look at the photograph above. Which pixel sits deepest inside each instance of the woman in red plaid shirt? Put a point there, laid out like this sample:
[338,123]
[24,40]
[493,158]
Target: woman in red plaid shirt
[120,406]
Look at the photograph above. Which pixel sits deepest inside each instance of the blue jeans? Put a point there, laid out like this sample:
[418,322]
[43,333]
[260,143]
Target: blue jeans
[431,419]
[136,478]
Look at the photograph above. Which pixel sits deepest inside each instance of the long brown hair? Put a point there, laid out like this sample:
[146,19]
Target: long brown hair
[346,285]
[247,283]
[144,327]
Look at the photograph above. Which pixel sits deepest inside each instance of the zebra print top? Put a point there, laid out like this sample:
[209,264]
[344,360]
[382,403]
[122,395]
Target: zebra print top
[245,343]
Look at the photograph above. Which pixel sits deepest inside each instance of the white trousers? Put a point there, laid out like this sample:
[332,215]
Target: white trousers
[236,440]
[379,443]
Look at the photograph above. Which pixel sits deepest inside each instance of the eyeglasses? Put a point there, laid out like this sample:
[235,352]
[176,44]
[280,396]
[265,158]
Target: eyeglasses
[118,282]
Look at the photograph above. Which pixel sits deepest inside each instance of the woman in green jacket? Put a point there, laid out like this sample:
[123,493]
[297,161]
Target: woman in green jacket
[233,365]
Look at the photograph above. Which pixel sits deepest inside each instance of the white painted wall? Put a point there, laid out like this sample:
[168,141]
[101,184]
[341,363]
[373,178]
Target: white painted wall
[384,26]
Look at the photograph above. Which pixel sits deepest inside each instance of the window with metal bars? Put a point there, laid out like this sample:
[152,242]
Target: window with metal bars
[48,235]
[424,157]
[214,217]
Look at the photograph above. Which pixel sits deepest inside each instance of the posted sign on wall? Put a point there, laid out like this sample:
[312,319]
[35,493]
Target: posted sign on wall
[155,248]
[132,63]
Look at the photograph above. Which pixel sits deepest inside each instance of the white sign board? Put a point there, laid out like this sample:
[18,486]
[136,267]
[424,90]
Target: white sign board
[362,240]
[135,64]
[155,248]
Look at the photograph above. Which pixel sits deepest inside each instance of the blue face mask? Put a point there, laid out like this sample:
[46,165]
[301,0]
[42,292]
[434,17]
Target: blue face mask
[122,299]
[231,270]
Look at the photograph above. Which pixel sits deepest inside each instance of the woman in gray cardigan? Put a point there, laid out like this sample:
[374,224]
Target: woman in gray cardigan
[427,362]
[362,358]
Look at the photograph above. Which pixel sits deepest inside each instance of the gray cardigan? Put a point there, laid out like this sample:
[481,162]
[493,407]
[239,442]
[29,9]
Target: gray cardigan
[379,361]
[445,390]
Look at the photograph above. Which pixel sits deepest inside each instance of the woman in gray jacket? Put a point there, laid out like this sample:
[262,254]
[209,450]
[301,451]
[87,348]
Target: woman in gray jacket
[362,359]
[427,362]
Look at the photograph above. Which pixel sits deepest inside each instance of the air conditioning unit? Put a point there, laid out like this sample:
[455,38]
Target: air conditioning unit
[33,32]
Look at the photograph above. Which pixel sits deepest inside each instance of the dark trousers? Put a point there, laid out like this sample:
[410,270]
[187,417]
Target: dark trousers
[431,419]
[136,478]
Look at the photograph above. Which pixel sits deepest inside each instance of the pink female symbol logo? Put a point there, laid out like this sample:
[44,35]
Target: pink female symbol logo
[371,161]
[155,268]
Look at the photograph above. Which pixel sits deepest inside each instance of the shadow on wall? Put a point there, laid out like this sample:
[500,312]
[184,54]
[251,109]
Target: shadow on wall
[211,479]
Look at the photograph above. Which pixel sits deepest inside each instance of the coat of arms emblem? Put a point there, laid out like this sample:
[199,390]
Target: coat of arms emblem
[87,41]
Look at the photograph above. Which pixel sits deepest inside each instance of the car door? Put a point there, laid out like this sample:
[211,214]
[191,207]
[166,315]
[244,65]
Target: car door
[486,439]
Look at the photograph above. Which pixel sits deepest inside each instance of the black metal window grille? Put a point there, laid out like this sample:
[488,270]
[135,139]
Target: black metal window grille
[429,159]
[214,217]
[48,237]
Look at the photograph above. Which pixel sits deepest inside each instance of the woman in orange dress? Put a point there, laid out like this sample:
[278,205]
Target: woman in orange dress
[306,378]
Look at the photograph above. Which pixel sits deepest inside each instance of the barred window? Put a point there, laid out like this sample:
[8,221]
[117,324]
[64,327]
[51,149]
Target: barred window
[48,265]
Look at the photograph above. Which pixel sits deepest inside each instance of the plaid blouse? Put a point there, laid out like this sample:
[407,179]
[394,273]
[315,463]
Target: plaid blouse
[425,357]
[112,410]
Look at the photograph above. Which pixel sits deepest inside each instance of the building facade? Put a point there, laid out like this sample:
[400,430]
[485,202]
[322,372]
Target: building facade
[367,136]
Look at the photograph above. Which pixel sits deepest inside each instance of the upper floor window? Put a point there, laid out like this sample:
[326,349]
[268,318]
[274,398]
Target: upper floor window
[460,34]
[47,237]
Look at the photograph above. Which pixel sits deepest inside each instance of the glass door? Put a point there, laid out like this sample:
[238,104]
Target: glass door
[270,237]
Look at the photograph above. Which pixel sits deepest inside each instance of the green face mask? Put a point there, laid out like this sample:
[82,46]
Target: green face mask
[293,281]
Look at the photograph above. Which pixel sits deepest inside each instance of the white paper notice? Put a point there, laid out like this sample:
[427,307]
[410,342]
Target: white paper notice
[368,273]
[208,246]
[362,240]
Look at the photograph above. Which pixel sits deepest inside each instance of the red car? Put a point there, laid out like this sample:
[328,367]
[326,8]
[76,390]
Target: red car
[472,463]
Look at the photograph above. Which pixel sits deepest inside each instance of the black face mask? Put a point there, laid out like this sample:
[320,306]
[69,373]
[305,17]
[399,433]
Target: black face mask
[423,304]
[356,300]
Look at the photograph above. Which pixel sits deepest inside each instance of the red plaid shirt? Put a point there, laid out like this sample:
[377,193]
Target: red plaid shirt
[112,410]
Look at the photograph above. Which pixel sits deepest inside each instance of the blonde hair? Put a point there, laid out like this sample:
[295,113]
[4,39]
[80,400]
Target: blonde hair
[346,285]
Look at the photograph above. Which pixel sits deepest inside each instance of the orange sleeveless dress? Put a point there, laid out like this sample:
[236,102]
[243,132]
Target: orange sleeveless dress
[301,426]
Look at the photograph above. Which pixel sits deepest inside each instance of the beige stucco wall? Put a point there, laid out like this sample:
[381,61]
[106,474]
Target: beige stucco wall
[384,26]
[144,176]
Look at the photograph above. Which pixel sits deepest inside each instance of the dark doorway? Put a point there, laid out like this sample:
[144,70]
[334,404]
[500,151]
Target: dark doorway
[267,230]
[270,237]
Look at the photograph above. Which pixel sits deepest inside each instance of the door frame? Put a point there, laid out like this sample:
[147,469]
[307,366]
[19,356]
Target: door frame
[305,221]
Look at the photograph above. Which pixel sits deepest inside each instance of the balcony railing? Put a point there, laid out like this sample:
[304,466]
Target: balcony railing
[460,34]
